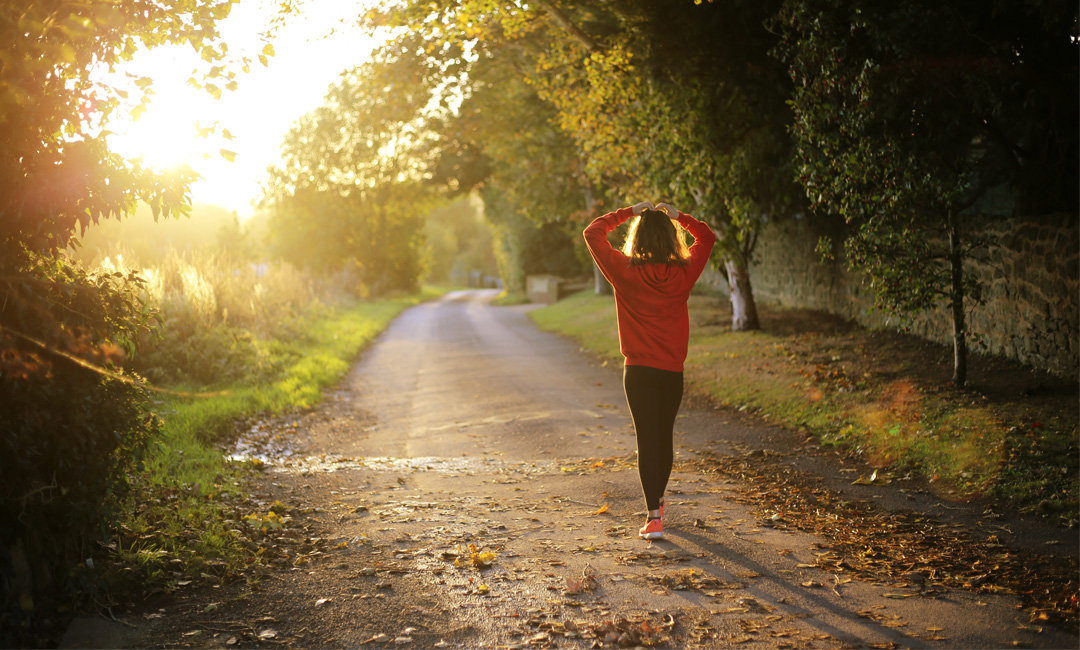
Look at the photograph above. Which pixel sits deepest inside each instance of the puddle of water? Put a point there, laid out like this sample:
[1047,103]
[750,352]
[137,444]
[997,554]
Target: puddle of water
[263,442]
[272,444]
[451,465]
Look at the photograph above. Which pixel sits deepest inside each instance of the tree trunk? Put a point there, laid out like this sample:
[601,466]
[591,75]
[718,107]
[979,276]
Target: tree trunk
[743,310]
[956,297]
[601,287]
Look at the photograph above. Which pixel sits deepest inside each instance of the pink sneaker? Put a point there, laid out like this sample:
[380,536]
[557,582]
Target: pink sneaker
[652,529]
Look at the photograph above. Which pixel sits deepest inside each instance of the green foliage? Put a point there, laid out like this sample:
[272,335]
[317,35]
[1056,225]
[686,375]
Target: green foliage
[909,115]
[71,434]
[529,172]
[458,241]
[352,191]
[218,318]
[375,237]
[56,172]
[680,101]
[599,104]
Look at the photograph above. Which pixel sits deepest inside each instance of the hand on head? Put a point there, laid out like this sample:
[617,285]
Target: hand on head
[672,213]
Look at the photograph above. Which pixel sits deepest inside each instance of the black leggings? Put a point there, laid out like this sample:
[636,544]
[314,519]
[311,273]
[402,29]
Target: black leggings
[653,396]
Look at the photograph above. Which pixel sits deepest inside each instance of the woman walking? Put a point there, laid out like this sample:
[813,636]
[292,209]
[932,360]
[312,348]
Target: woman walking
[652,276]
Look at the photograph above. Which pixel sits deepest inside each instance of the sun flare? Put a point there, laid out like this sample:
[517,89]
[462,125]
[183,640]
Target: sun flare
[186,126]
[168,134]
[159,142]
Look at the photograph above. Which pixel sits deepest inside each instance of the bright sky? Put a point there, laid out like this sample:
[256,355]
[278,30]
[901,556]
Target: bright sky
[311,50]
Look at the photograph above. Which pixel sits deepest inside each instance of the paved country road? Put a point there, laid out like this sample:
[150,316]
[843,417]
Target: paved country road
[471,483]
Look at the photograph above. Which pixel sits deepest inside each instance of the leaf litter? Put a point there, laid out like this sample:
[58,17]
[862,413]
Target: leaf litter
[909,548]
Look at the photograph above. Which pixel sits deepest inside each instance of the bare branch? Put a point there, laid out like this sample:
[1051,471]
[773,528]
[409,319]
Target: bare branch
[561,20]
[105,372]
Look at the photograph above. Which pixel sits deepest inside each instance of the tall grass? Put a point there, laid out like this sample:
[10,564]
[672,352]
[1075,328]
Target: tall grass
[220,318]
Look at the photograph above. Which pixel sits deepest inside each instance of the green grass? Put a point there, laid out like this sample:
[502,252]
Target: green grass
[587,318]
[187,501]
[840,386]
[507,299]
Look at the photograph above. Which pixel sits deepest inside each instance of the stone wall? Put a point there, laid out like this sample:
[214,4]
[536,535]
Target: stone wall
[1029,274]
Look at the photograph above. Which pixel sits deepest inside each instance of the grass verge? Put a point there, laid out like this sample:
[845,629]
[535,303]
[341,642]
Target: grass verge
[507,299]
[188,518]
[881,395]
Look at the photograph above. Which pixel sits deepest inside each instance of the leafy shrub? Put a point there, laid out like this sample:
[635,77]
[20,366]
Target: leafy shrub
[71,433]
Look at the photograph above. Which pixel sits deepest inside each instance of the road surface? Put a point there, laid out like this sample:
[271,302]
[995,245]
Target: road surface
[472,483]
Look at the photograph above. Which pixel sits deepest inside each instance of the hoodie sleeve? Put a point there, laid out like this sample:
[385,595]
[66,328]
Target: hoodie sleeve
[606,257]
[704,239]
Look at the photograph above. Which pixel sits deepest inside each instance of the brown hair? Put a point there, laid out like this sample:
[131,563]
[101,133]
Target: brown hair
[654,238]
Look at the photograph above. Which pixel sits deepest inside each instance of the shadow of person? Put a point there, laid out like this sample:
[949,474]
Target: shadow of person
[767,592]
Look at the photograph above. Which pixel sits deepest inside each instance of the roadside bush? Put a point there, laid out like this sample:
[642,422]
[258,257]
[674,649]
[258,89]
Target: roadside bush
[215,316]
[71,433]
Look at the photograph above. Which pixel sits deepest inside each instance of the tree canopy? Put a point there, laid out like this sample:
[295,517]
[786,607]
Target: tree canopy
[678,101]
[56,170]
[354,184]
[915,120]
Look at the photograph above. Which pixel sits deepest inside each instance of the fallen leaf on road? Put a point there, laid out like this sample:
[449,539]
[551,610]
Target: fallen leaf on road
[378,638]
[588,582]
[601,510]
[268,633]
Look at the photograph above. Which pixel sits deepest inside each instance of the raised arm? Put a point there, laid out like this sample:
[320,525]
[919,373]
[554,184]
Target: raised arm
[704,240]
[606,256]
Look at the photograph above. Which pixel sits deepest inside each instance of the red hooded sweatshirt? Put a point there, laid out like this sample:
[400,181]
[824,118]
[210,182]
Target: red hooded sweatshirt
[650,299]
